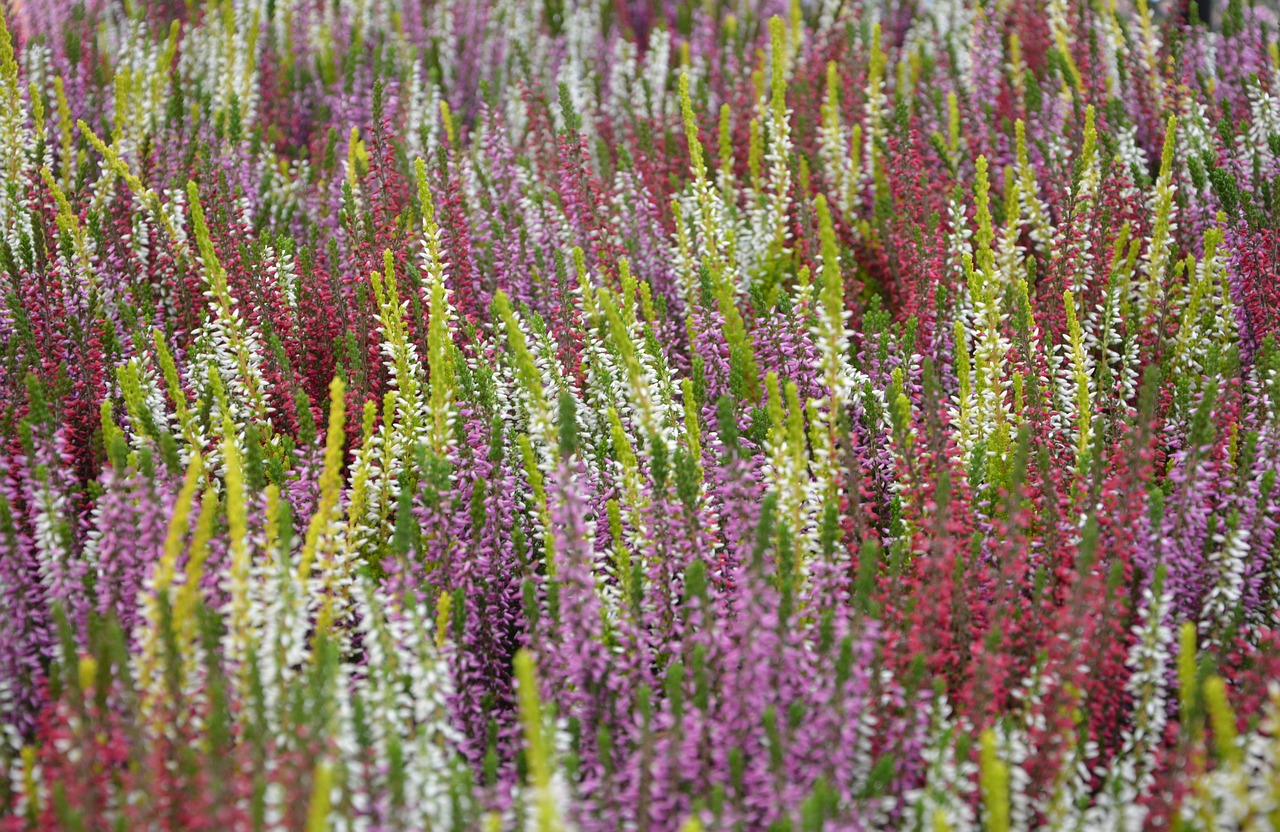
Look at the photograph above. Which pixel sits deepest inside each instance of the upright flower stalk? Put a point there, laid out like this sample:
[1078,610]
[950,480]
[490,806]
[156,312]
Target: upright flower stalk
[615,415]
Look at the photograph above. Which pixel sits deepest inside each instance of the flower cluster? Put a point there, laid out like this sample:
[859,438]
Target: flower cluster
[676,415]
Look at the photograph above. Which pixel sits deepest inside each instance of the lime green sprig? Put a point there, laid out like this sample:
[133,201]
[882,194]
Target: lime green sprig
[779,137]
[1223,721]
[112,436]
[1119,301]
[1064,49]
[1149,53]
[876,63]
[129,376]
[773,407]
[1188,330]
[621,444]
[1084,415]
[356,154]
[692,824]
[184,607]
[843,171]
[953,126]
[778,68]
[440,355]
[12,98]
[319,807]
[795,26]
[537,748]
[237,518]
[684,247]
[444,611]
[621,552]
[526,370]
[634,497]
[365,467]
[239,636]
[122,87]
[1118,250]
[1087,184]
[427,206]
[647,307]
[395,330]
[822,439]
[1089,172]
[1188,680]
[963,374]
[691,129]
[692,427]
[831,104]
[449,122]
[853,182]
[1042,232]
[832,277]
[627,298]
[833,341]
[1158,249]
[184,410]
[527,374]
[67,154]
[713,238]
[725,138]
[1214,272]
[787,449]
[1196,331]
[69,223]
[625,347]
[151,642]
[160,79]
[755,154]
[216,276]
[696,161]
[176,536]
[330,479]
[741,351]
[538,485]
[8,66]
[995,786]
[442,377]
[30,781]
[146,195]
[982,199]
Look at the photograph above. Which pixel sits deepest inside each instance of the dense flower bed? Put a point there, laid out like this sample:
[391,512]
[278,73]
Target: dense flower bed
[493,414]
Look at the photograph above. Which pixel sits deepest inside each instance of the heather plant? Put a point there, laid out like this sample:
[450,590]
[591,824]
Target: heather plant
[611,414]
